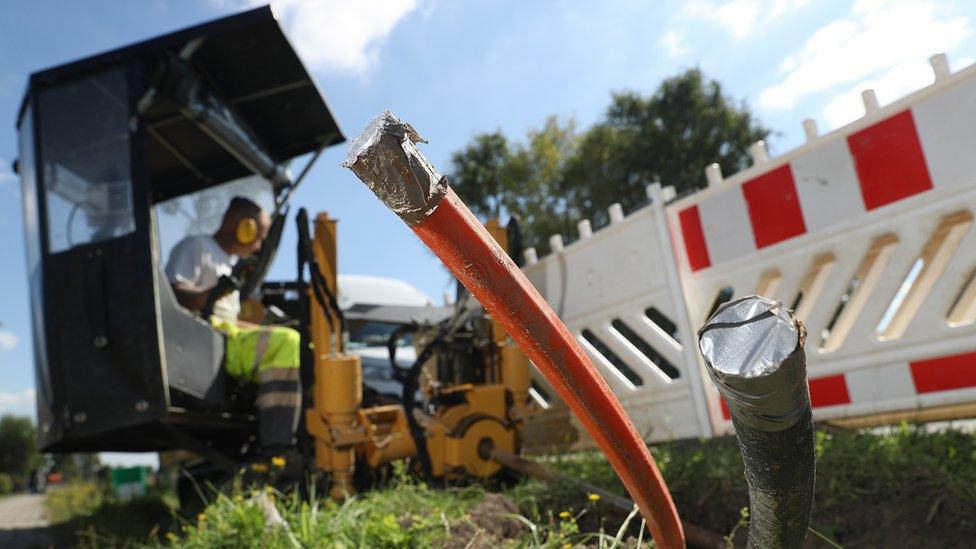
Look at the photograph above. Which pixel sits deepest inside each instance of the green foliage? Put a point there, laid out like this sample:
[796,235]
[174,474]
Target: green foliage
[408,514]
[74,499]
[560,175]
[78,466]
[90,514]
[18,446]
[904,486]
[495,177]
[6,484]
[890,487]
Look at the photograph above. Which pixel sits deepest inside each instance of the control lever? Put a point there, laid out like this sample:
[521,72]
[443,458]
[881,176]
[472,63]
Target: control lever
[227,284]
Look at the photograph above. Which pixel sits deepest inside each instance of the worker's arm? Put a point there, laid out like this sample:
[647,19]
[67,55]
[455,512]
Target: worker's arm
[189,296]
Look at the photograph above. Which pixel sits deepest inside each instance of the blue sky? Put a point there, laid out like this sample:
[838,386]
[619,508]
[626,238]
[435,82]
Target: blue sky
[457,68]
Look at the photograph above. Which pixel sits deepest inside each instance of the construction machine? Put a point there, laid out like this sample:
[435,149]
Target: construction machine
[109,147]
[115,147]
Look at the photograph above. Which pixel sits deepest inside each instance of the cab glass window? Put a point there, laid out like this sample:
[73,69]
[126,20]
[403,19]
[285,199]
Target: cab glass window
[32,234]
[85,153]
[201,212]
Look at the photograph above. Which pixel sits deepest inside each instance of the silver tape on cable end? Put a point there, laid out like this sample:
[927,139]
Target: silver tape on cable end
[385,157]
[753,351]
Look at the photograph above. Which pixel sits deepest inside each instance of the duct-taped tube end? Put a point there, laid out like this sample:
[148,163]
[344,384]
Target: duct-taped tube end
[386,158]
[753,350]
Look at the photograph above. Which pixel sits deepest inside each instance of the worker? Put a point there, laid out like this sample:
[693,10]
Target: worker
[266,355]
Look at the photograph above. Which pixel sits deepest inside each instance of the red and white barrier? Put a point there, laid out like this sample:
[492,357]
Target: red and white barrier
[904,153]
[867,231]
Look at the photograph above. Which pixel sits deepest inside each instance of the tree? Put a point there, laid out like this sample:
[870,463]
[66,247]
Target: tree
[495,177]
[560,176]
[482,170]
[18,446]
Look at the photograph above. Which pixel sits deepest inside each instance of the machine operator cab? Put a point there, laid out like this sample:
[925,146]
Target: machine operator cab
[111,148]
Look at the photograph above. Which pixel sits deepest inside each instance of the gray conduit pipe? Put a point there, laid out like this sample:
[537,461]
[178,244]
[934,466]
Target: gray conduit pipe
[753,350]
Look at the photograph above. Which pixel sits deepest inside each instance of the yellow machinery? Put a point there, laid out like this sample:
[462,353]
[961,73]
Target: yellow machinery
[106,147]
[467,414]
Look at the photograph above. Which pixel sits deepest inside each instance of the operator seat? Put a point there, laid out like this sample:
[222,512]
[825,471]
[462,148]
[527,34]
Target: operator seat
[194,354]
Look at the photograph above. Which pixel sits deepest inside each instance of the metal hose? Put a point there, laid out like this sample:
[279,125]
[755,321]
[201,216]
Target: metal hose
[753,350]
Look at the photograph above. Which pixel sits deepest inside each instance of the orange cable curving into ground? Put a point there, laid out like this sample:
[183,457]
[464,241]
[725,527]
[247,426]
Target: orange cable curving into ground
[466,248]
[385,158]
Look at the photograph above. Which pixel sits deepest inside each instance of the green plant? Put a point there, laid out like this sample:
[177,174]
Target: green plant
[6,483]
[892,487]
[74,499]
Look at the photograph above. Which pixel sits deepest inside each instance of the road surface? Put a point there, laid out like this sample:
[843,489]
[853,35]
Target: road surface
[23,524]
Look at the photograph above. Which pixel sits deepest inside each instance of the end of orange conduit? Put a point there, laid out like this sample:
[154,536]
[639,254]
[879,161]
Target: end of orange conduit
[386,159]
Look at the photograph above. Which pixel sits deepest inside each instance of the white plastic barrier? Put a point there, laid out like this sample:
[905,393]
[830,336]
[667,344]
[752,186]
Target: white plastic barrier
[866,232]
[618,292]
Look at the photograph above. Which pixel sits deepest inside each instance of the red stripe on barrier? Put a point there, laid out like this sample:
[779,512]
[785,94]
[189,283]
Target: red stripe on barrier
[889,161]
[829,391]
[694,235]
[725,408]
[774,208]
[944,373]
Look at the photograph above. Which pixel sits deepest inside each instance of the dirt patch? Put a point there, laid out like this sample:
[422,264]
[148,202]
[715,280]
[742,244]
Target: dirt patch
[489,524]
[922,514]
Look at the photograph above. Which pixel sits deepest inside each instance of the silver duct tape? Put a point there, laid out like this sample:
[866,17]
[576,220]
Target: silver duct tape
[386,158]
[753,351]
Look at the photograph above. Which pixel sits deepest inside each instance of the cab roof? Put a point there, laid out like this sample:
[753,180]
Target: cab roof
[245,59]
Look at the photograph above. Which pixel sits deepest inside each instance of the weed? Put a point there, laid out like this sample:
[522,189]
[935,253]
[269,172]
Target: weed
[902,486]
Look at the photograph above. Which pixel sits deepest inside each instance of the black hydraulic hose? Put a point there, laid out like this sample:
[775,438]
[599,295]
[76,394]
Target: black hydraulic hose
[515,245]
[411,384]
[753,350]
[391,347]
[320,287]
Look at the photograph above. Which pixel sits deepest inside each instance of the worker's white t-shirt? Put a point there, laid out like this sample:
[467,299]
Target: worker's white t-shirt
[200,262]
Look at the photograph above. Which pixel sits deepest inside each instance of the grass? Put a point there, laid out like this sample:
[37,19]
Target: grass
[409,514]
[88,513]
[903,487]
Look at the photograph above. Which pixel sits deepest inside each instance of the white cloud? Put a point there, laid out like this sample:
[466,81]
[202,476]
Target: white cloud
[876,38]
[739,17]
[17,401]
[897,82]
[8,340]
[674,44]
[337,36]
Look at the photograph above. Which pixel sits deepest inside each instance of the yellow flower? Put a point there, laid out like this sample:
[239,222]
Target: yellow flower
[201,517]
[238,498]
[564,515]
[567,546]
[593,497]
[268,489]
[171,537]
[278,461]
